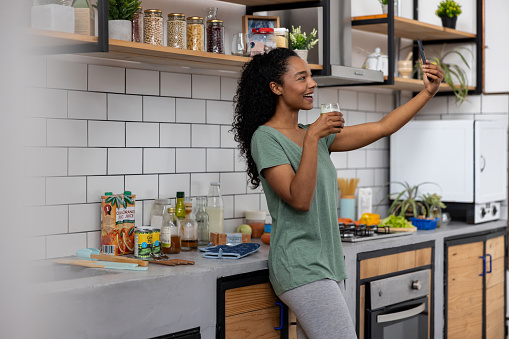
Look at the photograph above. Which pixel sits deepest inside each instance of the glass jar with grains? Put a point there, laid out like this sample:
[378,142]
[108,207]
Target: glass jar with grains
[215,36]
[195,32]
[153,29]
[176,30]
[137,26]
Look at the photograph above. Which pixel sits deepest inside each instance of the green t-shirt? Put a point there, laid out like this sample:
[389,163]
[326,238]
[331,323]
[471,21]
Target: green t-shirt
[304,246]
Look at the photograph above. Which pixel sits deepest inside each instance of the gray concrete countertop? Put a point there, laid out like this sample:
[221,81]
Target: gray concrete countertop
[168,299]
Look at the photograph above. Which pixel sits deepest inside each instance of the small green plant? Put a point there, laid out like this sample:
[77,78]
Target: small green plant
[432,200]
[122,9]
[299,40]
[407,202]
[448,8]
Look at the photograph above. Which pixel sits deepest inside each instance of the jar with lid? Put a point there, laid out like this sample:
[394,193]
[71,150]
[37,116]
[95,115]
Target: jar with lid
[157,212]
[215,36]
[153,29]
[262,40]
[195,33]
[202,219]
[170,232]
[189,228]
[256,219]
[281,37]
[137,26]
[176,32]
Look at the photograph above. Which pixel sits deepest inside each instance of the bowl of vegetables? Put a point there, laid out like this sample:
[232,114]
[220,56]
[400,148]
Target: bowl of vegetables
[425,223]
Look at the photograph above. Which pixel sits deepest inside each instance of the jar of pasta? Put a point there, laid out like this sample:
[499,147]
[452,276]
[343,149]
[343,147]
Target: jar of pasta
[215,36]
[153,27]
[176,30]
[195,33]
[281,37]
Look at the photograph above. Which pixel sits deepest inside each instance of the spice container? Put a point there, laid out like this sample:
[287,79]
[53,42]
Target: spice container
[153,29]
[263,40]
[256,219]
[281,37]
[195,33]
[215,36]
[176,30]
[137,26]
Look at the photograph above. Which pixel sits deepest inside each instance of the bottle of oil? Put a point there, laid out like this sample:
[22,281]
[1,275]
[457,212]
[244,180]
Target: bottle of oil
[180,207]
[189,229]
[170,232]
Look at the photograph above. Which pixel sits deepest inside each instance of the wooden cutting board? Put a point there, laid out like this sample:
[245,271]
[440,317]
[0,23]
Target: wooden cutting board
[399,229]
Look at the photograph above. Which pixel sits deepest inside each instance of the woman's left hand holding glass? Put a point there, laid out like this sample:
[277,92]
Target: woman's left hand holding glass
[433,76]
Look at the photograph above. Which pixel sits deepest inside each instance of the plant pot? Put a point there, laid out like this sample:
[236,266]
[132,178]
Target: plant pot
[120,29]
[385,8]
[449,22]
[302,53]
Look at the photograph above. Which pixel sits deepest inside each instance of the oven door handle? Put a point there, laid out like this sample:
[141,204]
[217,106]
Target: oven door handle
[384,318]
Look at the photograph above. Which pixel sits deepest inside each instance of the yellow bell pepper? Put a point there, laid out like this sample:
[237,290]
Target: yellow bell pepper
[370,219]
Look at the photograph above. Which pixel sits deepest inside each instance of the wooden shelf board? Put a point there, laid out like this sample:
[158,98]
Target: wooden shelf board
[138,52]
[262,2]
[410,29]
[413,85]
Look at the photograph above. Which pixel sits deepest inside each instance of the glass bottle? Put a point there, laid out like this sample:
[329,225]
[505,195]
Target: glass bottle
[180,208]
[176,32]
[195,33]
[215,208]
[157,212]
[170,232]
[215,36]
[137,26]
[189,229]
[84,17]
[153,29]
[202,219]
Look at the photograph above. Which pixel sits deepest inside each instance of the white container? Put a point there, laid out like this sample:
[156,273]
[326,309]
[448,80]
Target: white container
[120,29]
[53,18]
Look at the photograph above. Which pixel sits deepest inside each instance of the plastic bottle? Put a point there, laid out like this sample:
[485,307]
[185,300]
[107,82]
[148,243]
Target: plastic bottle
[189,226]
[215,208]
[202,219]
[159,208]
[180,207]
[170,232]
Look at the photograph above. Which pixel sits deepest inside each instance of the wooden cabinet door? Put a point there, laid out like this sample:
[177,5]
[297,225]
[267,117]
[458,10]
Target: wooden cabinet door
[258,324]
[465,291]
[495,282]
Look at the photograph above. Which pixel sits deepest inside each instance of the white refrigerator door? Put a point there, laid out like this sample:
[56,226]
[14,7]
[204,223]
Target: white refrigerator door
[441,152]
[490,161]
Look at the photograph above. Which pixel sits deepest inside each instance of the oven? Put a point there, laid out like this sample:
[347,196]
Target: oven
[397,307]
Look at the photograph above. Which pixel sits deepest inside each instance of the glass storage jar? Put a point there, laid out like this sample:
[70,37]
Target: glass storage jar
[262,40]
[176,32]
[281,37]
[137,26]
[195,33]
[157,212]
[215,36]
[153,29]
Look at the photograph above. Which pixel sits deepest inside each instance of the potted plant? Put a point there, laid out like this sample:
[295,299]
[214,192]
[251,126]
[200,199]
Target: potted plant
[385,6]
[301,43]
[406,203]
[120,14]
[434,206]
[448,11]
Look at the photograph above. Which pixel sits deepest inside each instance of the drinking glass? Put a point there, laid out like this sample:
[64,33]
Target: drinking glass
[240,45]
[329,107]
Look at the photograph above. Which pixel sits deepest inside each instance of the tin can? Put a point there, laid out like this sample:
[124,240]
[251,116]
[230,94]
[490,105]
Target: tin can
[156,244]
[142,242]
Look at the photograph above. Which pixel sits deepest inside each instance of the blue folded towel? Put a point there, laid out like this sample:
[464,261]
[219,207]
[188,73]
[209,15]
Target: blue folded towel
[230,252]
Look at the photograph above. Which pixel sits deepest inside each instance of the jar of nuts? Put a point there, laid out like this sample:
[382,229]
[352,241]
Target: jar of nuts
[137,26]
[195,33]
[176,30]
[153,29]
[215,36]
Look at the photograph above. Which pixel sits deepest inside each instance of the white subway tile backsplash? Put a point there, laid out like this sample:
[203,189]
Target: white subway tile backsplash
[142,134]
[206,87]
[45,103]
[158,160]
[175,135]
[37,246]
[124,107]
[64,245]
[355,118]
[140,81]
[37,132]
[339,159]
[138,214]
[37,189]
[190,160]
[35,71]
[384,102]
[313,115]
[366,101]
[45,161]
[233,183]
[125,161]
[66,132]
[374,117]
[66,190]
[381,176]
[471,105]
[106,79]
[94,239]
[303,117]
[348,99]
[176,85]
[84,218]
[49,220]
[87,161]
[205,135]
[227,138]
[326,95]
[66,75]
[437,105]
[495,103]
[356,158]
[86,105]
[200,183]
[220,160]
[230,225]
[147,207]
[244,203]
[229,207]
[98,185]
[158,109]
[170,184]
[228,88]
[106,134]
[190,110]
[366,176]
[377,158]
[219,112]
[240,162]
[144,186]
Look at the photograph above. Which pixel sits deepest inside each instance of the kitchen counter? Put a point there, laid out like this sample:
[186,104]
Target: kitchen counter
[168,299]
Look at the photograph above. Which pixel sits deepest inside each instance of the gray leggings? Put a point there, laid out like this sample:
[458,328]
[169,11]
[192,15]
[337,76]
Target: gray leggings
[321,311]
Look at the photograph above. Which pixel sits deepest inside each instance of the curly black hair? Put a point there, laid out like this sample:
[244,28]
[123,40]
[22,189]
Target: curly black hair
[255,103]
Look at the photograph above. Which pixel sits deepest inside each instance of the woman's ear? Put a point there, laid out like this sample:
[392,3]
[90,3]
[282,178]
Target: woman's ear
[275,88]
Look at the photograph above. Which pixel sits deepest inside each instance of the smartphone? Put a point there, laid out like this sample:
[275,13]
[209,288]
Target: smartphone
[421,50]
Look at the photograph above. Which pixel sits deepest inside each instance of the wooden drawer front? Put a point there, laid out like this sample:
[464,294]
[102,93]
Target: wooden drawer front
[496,247]
[465,255]
[249,298]
[254,325]
[497,272]
[394,262]
[495,317]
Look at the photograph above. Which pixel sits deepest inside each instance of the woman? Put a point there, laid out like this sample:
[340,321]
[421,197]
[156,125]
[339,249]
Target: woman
[292,163]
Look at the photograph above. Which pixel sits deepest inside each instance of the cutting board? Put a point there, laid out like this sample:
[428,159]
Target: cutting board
[399,229]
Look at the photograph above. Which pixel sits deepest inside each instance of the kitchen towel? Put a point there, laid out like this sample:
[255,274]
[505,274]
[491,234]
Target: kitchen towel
[230,252]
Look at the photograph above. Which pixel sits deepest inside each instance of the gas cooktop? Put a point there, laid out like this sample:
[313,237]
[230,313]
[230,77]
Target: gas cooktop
[354,233]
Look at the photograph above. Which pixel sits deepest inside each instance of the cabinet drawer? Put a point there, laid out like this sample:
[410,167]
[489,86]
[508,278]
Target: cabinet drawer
[465,255]
[394,262]
[254,325]
[249,298]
